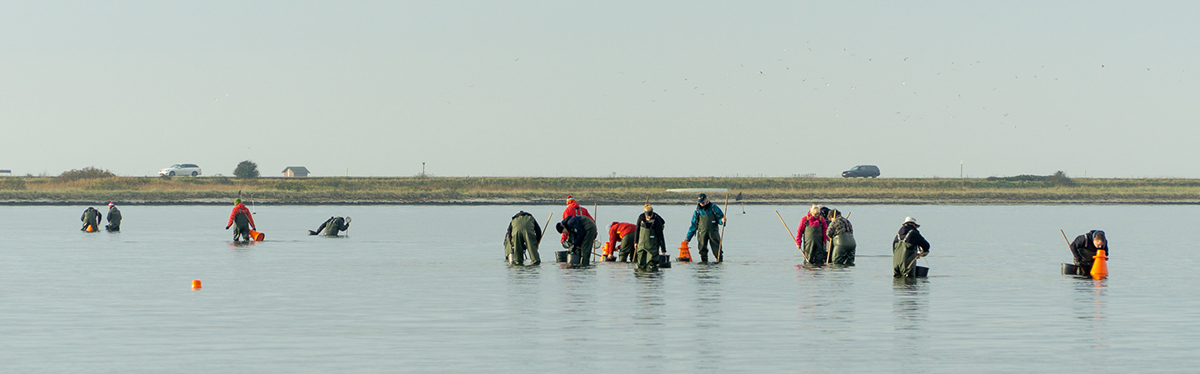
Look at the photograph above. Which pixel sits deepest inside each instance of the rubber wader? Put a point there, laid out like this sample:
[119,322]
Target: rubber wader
[114,220]
[626,247]
[647,250]
[843,247]
[902,258]
[524,239]
[814,245]
[708,232]
[241,227]
[584,249]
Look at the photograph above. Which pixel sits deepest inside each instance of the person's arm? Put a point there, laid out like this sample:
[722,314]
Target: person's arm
[662,240]
[695,221]
[720,215]
[508,233]
[825,230]
[83,217]
[800,231]
[612,236]
[345,224]
[323,224]
[231,215]
[537,230]
[919,241]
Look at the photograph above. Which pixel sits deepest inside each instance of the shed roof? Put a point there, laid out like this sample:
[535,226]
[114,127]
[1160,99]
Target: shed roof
[295,169]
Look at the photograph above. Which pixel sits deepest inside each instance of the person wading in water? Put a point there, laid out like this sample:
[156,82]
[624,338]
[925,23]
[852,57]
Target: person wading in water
[241,216]
[906,248]
[706,221]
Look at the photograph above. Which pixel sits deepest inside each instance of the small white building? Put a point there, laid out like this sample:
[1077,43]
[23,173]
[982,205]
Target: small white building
[295,171]
[5,173]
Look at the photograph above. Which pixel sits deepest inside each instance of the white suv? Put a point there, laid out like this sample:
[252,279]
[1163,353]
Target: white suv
[181,169]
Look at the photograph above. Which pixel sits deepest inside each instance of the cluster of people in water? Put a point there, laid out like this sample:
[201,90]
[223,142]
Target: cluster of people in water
[240,219]
[824,236]
[91,219]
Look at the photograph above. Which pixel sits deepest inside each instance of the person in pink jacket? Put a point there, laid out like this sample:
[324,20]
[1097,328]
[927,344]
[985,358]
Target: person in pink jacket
[812,236]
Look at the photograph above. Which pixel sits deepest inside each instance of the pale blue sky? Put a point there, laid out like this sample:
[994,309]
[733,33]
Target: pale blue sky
[562,88]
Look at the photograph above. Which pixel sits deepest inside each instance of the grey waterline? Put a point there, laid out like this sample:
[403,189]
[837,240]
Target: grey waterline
[424,289]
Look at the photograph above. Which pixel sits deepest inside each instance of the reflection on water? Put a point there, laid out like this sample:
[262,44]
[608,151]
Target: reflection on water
[1090,305]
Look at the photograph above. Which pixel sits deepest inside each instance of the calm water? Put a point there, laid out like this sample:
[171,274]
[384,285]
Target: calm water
[424,289]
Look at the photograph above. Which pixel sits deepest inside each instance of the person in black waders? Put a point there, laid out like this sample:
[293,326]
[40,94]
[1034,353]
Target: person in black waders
[90,217]
[332,226]
[707,222]
[1084,247]
[523,235]
[581,232]
[906,248]
[649,240]
[114,218]
[241,216]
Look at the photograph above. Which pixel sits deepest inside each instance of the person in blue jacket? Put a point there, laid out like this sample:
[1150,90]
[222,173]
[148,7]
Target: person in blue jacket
[707,222]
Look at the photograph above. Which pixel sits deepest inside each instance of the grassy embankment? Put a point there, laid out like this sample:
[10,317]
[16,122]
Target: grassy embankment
[485,190]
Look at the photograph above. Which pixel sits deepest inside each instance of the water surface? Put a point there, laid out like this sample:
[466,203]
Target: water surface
[424,289]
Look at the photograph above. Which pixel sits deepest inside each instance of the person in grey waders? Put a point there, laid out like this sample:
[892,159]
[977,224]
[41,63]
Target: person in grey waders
[841,239]
[906,248]
[90,217]
[332,226]
[649,239]
[114,218]
[581,233]
[523,235]
[1084,248]
[706,221]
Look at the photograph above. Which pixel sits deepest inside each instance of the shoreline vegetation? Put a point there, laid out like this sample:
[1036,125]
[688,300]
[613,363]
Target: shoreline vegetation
[1024,189]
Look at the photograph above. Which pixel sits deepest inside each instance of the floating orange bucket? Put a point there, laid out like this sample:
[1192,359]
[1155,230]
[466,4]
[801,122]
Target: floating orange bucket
[91,228]
[685,255]
[195,284]
[607,250]
[257,236]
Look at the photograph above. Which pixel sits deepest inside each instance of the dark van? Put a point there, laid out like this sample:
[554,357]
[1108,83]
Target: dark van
[861,171]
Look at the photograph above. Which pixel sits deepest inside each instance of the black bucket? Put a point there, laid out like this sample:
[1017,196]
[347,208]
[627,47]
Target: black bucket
[560,256]
[921,271]
[574,259]
[1070,269]
[664,261]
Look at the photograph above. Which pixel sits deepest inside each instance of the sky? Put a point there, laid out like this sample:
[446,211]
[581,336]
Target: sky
[627,88]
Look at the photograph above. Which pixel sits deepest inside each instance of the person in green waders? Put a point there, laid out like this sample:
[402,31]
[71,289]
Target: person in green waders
[841,239]
[906,248]
[90,218]
[523,235]
[114,218]
[332,226]
[812,236]
[649,239]
[581,233]
[706,221]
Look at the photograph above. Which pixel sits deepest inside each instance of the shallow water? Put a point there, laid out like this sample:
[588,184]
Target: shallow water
[424,289]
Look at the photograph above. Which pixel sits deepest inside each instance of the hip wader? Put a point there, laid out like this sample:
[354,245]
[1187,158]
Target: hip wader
[708,232]
[647,250]
[843,247]
[814,245]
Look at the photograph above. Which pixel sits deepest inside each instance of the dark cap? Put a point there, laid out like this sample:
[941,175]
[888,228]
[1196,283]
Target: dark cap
[702,198]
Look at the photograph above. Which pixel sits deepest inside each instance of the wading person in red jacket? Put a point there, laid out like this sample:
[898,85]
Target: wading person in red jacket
[622,231]
[241,217]
[573,209]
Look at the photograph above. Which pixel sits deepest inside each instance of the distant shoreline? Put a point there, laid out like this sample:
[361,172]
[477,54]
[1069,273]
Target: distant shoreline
[1022,190]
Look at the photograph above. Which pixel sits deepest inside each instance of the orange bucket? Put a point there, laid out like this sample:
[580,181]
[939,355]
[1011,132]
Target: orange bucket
[607,250]
[257,236]
[91,228]
[684,254]
[1100,267]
